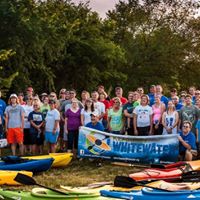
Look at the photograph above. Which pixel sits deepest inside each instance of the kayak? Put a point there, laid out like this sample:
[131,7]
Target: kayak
[27,165]
[46,194]
[153,194]
[60,159]
[158,184]
[157,174]
[194,164]
[7,177]
[174,187]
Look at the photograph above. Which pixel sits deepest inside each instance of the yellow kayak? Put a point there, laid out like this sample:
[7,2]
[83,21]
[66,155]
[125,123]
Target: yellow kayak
[7,177]
[195,164]
[60,159]
[158,184]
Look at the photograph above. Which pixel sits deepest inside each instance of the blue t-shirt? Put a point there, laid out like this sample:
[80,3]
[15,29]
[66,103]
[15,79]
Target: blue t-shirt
[163,99]
[178,106]
[189,139]
[98,126]
[2,109]
[198,127]
[151,99]
[37,118]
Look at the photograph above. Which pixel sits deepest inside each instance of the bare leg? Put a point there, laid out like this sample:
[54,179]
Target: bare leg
[21,148]
[53,148]
[188,156]
[13,148]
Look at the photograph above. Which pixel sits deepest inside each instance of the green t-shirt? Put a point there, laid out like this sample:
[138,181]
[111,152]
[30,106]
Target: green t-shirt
[44,109]
[116,122]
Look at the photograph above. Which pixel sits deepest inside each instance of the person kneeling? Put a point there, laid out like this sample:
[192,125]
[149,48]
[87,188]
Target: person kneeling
[187,142]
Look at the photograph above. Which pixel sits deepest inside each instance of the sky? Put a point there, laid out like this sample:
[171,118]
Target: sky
[100,6]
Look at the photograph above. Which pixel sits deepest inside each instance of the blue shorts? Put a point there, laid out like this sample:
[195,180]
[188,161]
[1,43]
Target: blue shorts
[50,137]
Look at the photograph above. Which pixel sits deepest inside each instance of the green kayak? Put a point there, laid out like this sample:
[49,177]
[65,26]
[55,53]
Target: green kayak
[42,193]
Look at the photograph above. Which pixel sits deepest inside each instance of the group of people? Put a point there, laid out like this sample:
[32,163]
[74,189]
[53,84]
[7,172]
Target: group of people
[29,120]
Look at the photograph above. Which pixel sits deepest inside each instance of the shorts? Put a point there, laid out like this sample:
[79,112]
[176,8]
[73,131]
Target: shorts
[36,139]
[51,138]
[15,135]
[27,140]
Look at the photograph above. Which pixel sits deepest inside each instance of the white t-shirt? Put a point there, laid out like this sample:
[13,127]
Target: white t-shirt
[52,116]
[143,115]
[86,114]
[27,110]
[100,107]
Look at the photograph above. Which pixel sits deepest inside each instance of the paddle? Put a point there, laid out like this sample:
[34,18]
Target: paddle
[129,164]
[168,166]
[127,182]
[26,180]
[124,181]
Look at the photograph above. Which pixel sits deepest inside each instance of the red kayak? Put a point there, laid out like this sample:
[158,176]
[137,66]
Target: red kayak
[157,174]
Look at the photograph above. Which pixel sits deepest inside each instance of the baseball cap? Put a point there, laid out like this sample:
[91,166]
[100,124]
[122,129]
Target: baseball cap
[95,113]
[13,96]
[44,94]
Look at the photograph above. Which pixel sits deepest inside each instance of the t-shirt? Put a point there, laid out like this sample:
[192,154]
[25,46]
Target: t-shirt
[178,106]
[97,126]
[27,110]
[67,104]
[189,139]
[87,117]
[198,127]
[44,109]
[100,107]
[163,99]
[143,115]
[73,119]
[2,109]
[14,114]
[51,117]
[189,113]
[37,118]
[116,122]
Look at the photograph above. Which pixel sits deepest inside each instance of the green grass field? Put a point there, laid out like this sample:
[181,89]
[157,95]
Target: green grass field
[80,173]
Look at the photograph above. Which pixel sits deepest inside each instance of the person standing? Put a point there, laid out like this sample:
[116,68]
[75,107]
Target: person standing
[36,120]
[170,119]
[115,117]
[119,94]
[189,112]
[28,107]
[158,109]
[52,127]
[14,124]
[142,117]
[72,124]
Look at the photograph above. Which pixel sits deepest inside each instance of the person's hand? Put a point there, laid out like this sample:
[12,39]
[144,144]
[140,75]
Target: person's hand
[156,126]
[54,131]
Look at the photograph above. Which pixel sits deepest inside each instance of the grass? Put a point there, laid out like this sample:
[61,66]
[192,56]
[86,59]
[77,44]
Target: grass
[80,173]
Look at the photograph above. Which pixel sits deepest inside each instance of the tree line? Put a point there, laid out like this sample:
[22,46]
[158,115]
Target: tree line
[54,43]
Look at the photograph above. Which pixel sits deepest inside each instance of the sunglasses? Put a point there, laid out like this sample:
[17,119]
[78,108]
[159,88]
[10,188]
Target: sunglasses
[186,127]
[139,90]
[197,93]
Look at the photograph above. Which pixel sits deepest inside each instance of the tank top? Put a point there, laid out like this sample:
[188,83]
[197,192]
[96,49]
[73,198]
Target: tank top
[170,120]
[157,112]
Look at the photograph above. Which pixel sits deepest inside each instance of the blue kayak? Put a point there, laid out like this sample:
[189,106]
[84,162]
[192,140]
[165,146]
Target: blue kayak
[154,194]
[27,165]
